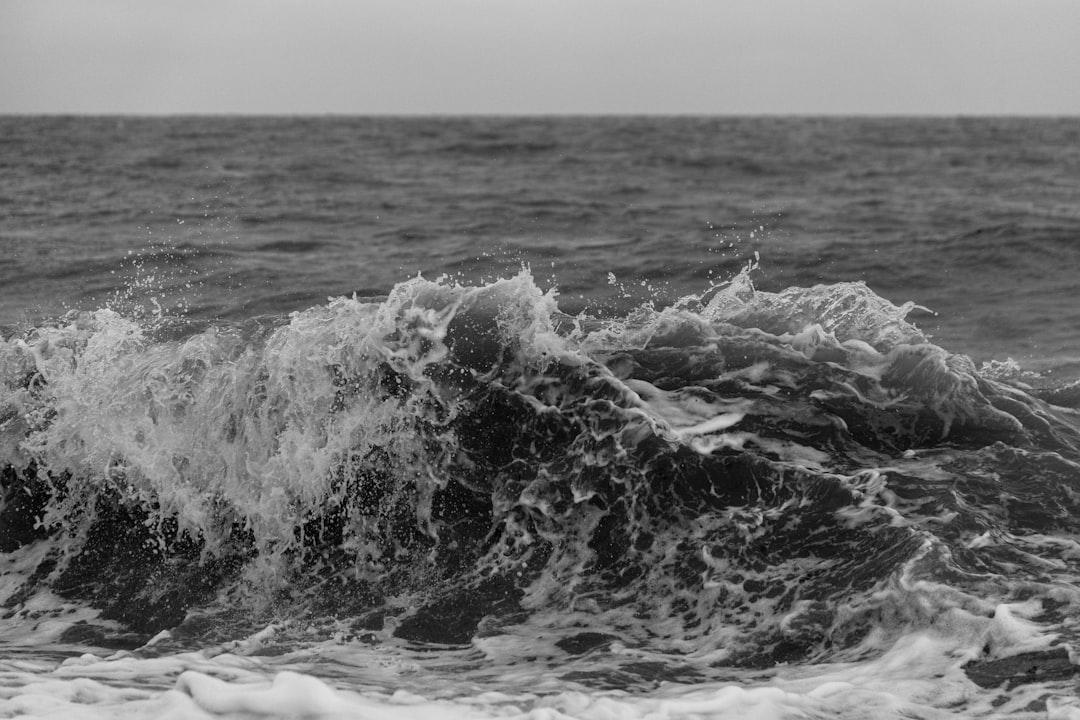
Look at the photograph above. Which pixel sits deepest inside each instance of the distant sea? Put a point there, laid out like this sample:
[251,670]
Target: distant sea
[545,417]
[228,217]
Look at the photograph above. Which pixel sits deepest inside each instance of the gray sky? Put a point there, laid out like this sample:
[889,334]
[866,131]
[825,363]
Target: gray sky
[540,56]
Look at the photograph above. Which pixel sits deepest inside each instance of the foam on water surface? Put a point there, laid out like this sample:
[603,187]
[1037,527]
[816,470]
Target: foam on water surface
[459,501]
[919,676]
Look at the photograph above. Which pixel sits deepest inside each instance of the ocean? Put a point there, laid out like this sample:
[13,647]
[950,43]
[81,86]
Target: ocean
[539,417]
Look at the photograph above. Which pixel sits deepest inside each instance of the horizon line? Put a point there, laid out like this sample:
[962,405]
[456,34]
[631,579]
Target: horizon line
[551,115]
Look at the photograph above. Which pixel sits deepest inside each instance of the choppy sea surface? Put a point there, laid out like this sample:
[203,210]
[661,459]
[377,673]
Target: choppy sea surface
[539,417]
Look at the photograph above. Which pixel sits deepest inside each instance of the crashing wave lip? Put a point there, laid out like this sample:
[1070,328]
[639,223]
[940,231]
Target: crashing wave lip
[449,462]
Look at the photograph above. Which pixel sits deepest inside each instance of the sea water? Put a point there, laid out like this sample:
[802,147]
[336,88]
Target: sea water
[539,417]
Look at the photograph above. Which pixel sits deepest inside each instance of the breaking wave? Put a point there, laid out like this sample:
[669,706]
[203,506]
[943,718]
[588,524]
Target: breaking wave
[740,479]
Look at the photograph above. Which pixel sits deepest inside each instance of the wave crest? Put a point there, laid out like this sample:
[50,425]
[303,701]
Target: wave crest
[757,474]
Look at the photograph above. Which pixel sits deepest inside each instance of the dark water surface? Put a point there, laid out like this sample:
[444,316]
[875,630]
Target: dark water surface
[976,219]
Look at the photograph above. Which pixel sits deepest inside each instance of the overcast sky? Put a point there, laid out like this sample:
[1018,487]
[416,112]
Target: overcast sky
[540,56]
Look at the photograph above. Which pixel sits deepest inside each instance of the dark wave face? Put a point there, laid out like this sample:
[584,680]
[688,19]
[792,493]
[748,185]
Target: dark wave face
[740,479]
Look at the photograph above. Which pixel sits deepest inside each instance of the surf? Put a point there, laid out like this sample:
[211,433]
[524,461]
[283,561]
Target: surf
[734,481]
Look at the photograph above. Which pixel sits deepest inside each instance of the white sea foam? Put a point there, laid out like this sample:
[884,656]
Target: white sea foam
[919,676]
[836,437]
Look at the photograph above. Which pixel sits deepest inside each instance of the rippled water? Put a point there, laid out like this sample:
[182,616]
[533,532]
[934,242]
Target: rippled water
[975,219]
